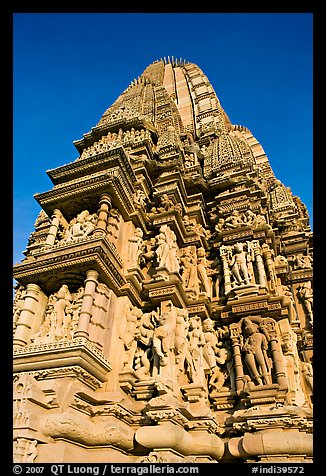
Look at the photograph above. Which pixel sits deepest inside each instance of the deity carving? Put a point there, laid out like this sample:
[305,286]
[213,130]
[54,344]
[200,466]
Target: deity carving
[254,350]
[130,335]
[113,226]
[166,251]
[135,247]
[234,220]
[81,226]
[202,270]
[239,219]
[147,255]
[306,295]
[188,267]
[60,317]
[308,376]
[303,261]
[215,356]
[239,264]
[194,355]
[139,199]
[180,338]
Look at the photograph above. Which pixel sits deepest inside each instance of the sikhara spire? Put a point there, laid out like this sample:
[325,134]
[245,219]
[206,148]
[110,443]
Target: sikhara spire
[164,310]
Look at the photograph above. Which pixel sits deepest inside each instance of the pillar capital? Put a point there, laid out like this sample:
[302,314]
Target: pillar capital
[33,287]
[105,199]
[92,275]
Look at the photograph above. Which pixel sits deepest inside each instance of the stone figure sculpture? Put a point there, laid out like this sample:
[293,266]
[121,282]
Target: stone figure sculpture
[135,247]
[166,250]
[239,266]
[130,335]
[194,355]
[255,353]
[306,295]
[81,226]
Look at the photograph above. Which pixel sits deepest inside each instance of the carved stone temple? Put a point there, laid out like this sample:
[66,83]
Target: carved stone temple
[163,311]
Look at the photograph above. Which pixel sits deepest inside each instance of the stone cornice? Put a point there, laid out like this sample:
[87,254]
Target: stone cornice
[75,352]
[111,181]
[85,166]
[95,252]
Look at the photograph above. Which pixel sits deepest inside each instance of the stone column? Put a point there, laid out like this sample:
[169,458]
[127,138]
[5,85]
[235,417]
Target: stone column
[50,239]
[87,303]
[277,358]
[238,367]
[25,321]
[226,270]
[105,205]
[260,264]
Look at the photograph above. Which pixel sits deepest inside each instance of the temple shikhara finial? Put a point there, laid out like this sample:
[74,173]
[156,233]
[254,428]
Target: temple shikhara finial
[163,312]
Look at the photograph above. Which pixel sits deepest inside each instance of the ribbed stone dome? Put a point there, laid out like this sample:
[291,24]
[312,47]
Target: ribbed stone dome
[174,92]
[176,95]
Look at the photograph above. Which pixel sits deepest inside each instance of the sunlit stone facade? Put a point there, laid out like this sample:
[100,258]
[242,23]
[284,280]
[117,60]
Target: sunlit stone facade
[164,308]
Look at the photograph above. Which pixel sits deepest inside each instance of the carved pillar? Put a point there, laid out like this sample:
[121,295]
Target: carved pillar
[277,358]
[226,270]
[236,344]
[50,239]
[25,321]
[87,303]
[105,205]
[260,264]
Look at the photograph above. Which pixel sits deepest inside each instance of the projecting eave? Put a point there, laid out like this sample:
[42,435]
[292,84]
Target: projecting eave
[88,165]
[99,131]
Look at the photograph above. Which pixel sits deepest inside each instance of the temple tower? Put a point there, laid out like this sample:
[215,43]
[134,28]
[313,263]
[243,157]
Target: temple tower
[164,308]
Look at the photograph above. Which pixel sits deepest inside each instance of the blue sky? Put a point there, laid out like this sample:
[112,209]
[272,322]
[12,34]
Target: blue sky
[70,67]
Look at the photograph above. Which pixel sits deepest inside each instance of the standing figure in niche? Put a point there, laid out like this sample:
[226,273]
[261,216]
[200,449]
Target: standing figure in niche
[255,353]
[220,225]
[189,270]
[167,203]
[62,300]
[306,294]
[162,249]
[217,271]
[74,310]
[166,250]
[163,337]
[307,371]
[144,353]
[139,199]
[215,356]
[135,246]
[194,356]
[180,337]
[147,255]
[113,226]
[239,266]
[130,335]
[202,266]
